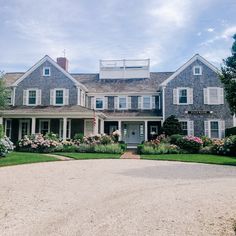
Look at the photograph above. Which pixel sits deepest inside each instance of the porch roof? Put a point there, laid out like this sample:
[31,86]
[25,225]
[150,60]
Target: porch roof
[70,110]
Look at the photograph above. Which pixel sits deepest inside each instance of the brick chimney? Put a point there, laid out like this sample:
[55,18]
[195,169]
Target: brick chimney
[63,62]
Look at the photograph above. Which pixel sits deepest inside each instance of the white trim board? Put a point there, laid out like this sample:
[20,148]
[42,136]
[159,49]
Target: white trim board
[49,59]
[189,62]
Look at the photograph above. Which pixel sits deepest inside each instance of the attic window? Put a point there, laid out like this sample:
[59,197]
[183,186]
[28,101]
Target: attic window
[46,71]
[197,70]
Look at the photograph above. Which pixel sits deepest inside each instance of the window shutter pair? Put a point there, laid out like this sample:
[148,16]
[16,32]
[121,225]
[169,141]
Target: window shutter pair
[53,96]
[38,97]
[189,96]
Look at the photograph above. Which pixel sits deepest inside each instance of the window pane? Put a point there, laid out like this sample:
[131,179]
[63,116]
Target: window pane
[214,129]
[184,127]
[32,97]
[146,102]
[122,103]
[183,96]
[213,95]
[59,96]
[99,103]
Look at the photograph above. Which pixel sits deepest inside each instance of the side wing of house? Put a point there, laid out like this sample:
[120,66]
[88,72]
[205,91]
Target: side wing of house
[195,95]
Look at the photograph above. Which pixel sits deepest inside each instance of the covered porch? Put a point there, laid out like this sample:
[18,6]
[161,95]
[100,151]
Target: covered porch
[64,122]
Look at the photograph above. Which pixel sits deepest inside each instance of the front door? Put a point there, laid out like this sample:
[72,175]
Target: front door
[133,135]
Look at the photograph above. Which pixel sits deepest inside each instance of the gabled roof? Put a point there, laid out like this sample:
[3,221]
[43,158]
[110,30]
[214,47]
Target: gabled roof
[39,63]
[189,62]
[145,85]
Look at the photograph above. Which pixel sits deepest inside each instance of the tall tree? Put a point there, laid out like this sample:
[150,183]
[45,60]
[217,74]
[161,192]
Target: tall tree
[3,92]
[228,77]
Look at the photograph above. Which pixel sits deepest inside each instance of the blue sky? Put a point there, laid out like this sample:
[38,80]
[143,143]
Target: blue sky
[168,32]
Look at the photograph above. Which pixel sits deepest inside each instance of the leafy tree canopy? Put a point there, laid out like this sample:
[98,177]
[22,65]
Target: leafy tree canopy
[228,77]
[3,92]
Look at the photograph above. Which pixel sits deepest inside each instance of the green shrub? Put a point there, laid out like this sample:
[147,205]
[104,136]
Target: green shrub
[67,148]
[123,146]
[206,150]
[175,138]
[85,148]
[79,137]
[206,141]
[110,148]
[105,139]
[230,131]
[162,148]
[171,126]
[225,146]
[190,143]
[51,136]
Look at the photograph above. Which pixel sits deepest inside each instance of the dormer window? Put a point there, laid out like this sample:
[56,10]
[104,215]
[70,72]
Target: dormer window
[46,71]
[197,70]
[59,98]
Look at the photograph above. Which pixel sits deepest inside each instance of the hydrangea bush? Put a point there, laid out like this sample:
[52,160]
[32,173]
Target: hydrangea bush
[6,146]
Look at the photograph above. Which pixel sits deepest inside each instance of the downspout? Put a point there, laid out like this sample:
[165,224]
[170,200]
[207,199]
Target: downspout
[163,102]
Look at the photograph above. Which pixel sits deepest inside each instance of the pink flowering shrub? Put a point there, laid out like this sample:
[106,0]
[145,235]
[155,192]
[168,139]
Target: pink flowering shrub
[190,143]
[37,143]
[226,146]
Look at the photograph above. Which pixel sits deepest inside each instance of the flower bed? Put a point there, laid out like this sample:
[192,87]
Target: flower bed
[50,143]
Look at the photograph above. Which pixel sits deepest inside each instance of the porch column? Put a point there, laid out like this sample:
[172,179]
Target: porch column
[1,120]
[102,127]
[64,128]
[146,130]
[33,125]
[119,128]
[95,130]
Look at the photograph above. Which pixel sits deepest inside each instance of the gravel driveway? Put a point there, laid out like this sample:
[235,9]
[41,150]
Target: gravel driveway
[117,197]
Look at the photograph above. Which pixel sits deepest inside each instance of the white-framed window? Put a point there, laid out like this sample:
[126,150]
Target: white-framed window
[44,126]
[184,127]
[32,97]
[197,70]
[8,127]
[122,103]
[147,103]
[9,96]
[46,71]
[213,95]
[187,127]
[99,103]
[182,96]
[214,128]
[24,128]
[59,97]
[153,129]
[68,129]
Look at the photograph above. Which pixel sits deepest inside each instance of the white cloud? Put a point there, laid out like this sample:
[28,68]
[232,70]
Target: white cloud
[210,30]
[229,32]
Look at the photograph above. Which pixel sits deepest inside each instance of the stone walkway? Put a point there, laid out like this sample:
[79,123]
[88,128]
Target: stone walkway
[130,154]
[62,158]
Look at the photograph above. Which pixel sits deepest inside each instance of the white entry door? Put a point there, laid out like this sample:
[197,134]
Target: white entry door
[133,135]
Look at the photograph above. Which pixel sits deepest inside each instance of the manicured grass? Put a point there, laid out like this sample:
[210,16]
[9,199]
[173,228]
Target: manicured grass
[81,156]
[16,158]
[198,158]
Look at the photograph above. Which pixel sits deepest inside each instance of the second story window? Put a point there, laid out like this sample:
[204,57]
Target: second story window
[197,70]
[183,96]
[146,102]
[32,97]
[213,96]
[59,97]
[46,71]
[99,102]
[122,103]
[9,97]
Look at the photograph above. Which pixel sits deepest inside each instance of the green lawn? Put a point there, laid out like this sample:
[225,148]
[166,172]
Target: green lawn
[198,158]
[82,156]
[16,158]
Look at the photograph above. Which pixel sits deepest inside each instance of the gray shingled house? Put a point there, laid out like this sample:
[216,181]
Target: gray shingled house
[124,96]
